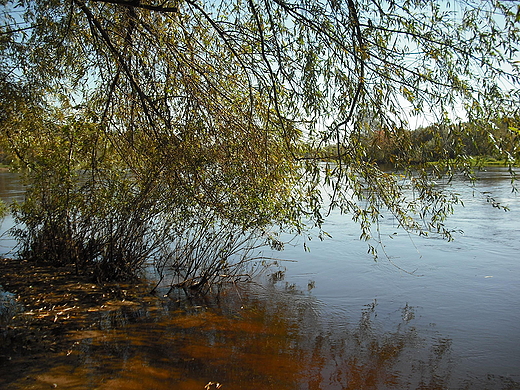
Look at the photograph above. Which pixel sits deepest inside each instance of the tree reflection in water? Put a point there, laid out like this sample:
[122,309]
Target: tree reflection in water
[255,338]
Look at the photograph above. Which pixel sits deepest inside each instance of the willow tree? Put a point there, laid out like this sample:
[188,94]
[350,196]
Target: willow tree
[234,114]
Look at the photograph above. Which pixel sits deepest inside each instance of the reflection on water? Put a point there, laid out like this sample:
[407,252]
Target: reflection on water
[255,338]
[338,320]
[11,189]
[245,341]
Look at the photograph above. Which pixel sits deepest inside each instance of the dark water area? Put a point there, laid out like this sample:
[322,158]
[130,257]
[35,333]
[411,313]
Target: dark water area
[428,314]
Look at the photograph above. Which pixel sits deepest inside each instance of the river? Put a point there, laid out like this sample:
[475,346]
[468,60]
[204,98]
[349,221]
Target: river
[428,314]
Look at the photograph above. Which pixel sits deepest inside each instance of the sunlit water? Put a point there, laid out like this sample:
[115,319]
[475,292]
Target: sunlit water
[431,315]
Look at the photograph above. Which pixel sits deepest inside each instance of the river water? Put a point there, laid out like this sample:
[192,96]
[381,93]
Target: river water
[428,314]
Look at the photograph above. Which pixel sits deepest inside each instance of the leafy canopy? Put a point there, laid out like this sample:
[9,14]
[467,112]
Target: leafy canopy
[245,109]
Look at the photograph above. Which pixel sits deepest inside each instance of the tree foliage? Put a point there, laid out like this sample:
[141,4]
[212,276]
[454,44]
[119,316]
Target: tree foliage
[137,116]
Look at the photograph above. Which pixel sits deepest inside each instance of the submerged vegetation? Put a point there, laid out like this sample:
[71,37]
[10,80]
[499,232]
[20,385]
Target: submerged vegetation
[186,134]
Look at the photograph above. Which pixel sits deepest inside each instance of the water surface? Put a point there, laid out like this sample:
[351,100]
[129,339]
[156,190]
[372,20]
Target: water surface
[432,315]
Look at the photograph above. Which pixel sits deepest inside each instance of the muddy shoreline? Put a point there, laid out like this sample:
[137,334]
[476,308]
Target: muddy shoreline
[53,304]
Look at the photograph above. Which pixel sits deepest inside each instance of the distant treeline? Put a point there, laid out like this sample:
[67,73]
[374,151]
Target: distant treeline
[437,142]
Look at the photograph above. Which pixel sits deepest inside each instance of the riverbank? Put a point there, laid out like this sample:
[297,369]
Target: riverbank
[52,304]
[480,162]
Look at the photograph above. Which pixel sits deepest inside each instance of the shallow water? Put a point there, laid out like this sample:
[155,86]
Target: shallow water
[336,320]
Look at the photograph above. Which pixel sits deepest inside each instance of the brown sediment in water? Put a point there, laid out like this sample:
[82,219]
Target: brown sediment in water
[53,303]
[74,334]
